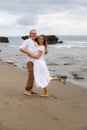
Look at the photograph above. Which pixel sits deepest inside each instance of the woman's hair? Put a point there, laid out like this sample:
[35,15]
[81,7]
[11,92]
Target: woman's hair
[44,42]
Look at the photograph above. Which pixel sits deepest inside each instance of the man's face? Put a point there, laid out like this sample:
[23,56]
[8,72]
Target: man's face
[33,35]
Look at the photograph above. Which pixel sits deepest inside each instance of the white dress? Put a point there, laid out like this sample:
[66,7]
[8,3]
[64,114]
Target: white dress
[41,73]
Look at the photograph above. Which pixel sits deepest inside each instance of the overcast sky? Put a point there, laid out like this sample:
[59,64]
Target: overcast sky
[60,17]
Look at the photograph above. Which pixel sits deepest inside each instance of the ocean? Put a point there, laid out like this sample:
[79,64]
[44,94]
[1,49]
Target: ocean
[68,59]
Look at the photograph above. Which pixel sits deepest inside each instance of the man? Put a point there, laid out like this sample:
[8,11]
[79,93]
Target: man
[27,47]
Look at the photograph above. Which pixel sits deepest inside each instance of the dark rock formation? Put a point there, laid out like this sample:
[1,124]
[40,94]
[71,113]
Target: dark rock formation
[76,76]
[51,39]
[4,39]
[11,62]
[24,37]
[67,63]
[61,76]
[60,41]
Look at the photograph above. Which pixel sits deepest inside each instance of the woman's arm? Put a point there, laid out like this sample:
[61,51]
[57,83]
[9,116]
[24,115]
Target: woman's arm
[37,56]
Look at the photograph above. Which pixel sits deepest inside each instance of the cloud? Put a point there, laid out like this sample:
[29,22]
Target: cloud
[48,16]
[27,20]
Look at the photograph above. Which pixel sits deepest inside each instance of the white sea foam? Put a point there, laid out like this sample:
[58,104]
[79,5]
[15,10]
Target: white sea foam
[70,45]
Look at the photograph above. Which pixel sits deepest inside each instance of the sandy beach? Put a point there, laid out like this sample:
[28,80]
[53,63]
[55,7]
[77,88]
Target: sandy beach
[64,109]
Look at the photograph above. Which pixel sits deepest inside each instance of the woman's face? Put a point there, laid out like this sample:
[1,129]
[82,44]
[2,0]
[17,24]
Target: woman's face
[40,40]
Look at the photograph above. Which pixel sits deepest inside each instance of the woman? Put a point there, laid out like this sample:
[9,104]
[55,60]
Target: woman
[41,73]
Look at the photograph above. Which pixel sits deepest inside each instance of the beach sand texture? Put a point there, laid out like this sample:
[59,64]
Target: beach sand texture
[64,109]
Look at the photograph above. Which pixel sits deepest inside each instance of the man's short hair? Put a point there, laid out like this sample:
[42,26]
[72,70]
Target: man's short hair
[31,31]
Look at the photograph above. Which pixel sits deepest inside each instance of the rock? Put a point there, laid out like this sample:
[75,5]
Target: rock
[24,37]
[51,64]
[60,41]
[67,64]
[4,39]
[10,62]
[76,76]
[64,77]
[61,76]
[51,39]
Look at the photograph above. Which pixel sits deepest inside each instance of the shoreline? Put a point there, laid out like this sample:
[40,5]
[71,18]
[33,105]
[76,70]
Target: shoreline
[65,109]
[23,68]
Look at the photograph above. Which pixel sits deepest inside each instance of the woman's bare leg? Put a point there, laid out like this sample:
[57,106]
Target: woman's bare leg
[59,79]
[45,92]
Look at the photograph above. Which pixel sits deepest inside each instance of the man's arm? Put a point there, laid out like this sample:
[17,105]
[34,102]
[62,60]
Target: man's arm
[26,52]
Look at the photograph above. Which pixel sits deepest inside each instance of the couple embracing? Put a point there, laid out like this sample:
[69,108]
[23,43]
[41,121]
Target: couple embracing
[36,65]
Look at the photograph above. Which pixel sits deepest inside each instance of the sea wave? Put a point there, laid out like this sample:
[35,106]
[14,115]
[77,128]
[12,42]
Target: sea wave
[71,46]
[75,42]
[68,46]
[13,46]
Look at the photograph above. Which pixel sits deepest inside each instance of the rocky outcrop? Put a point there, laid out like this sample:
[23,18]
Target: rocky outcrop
[4,39]
[76,76]
[51,39]
[24,37]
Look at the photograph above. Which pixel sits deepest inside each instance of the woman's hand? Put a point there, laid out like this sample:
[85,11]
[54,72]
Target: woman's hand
[30,54]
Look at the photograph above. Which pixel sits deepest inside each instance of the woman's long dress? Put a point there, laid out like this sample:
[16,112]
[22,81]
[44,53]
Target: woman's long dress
[41,73]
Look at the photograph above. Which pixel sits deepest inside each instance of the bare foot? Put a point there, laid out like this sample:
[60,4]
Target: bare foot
[28,93]
[62,80]
[44,95]
[32,92]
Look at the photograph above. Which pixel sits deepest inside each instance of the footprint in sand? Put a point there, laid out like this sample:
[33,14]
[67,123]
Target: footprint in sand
[55,118]
[53,96]
[60,98]
[6,103]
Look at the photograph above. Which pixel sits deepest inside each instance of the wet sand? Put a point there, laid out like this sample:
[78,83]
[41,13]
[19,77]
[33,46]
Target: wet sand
[64,109]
